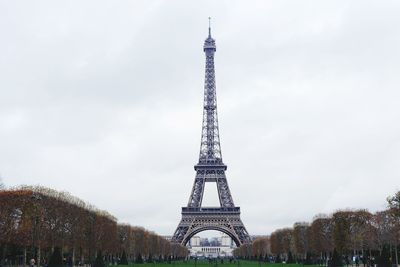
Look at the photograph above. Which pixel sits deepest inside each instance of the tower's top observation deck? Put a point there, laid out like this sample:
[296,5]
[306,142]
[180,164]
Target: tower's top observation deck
[209,43]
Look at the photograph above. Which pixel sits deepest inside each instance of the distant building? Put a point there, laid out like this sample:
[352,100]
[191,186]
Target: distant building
[226,241]
[195,241]
[168,237]
[254,237]
[215,247]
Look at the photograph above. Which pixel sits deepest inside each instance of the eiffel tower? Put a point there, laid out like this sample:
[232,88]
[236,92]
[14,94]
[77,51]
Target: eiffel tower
[210,168]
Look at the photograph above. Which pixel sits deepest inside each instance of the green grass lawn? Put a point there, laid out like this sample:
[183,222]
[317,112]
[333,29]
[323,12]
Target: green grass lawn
[205,263]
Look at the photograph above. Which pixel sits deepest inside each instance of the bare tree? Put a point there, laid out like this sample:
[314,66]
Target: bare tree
[35,220]
[394,208]
[261,247]
[321,236]
[2,186]
[301,239]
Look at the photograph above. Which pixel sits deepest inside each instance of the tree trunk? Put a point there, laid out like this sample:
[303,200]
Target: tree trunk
[38,256]
[396,255]
[3,255]
[390,252]
[82,257]
[73,256]
[24,263]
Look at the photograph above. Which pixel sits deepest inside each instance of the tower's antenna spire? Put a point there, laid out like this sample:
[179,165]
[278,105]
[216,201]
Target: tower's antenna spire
[209,26]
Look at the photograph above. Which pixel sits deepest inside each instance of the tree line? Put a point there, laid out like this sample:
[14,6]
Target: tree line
[34,221]
[346,236]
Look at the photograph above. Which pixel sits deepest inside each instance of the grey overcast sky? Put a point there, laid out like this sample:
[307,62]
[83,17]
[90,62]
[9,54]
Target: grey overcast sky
[104,99]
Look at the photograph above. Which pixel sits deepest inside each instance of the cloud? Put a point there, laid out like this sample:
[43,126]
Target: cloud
[104,100]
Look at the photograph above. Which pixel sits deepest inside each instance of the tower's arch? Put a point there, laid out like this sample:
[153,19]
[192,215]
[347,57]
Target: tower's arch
[202,228]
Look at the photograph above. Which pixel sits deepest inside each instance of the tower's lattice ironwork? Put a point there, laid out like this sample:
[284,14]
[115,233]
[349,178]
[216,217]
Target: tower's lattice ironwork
[210,168]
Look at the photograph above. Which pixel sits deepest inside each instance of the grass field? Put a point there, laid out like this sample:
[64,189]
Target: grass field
[205,263]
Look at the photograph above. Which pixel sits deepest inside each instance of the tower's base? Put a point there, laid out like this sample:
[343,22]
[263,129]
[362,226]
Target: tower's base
[226,220]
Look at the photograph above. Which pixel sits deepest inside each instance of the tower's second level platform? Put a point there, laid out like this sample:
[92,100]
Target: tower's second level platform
[211,211]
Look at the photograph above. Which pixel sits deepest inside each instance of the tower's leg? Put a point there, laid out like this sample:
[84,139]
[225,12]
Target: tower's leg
[224,193]
[196,196]
[180,231]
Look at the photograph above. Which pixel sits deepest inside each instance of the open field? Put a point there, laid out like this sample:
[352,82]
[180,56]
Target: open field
[205,263]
